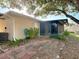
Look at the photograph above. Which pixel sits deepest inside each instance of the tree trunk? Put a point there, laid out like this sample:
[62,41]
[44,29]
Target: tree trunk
[69,16]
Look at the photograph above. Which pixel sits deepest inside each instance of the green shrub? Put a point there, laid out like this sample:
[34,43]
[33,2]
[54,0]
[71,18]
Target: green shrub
[35,32]
[66,33]
[31,33]
[61,36]
[58,36]
[26,33]
[15,43]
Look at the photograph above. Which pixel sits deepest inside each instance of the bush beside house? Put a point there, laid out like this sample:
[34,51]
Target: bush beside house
[31,33]
[61,36]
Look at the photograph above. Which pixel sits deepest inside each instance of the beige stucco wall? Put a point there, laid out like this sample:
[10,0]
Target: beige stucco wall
[60,28]
[8,23]
[10,29]
[2,25]
[20,23]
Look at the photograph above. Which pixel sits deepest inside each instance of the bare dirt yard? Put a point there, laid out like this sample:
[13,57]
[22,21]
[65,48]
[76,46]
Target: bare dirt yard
[44,48]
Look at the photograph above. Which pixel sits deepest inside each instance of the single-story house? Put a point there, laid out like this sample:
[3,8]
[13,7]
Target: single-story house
[14,24]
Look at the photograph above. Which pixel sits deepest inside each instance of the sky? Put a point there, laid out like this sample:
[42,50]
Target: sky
[3,10]
[48,18]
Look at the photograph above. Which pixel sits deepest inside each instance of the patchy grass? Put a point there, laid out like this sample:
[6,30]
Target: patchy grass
[13,43]
[58,37]
[61,36]
[17,42]
[66,33]
[75,36]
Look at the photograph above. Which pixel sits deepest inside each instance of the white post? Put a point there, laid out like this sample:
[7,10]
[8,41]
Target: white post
[11,27]
[14,30]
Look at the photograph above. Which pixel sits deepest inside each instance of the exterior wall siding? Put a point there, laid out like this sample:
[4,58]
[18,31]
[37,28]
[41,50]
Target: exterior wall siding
[9,25]
[2,25]
[16,25]
[60,28]
[21,23]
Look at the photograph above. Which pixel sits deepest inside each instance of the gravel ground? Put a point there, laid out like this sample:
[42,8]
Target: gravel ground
[45,48]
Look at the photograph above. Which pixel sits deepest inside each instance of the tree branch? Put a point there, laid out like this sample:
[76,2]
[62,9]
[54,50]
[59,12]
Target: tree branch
[69,16]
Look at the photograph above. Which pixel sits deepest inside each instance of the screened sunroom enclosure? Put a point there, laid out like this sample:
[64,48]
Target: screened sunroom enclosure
[52,27]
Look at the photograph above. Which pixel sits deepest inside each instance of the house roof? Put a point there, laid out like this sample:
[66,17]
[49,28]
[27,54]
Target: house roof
[12,13]
[1,16]
[61,21]
[26,16]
